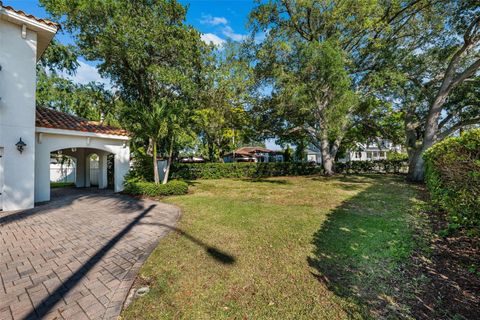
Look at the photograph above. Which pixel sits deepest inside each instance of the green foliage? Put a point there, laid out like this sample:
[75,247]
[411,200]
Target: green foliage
[392,155]
[91,101]
[376,166]
[242,170]
[453,177]
[142,165]
[221,116]
[61,184]
[151,189]
[152,57]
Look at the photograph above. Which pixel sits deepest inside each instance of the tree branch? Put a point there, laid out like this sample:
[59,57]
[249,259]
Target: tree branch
[456,127]
[467,73]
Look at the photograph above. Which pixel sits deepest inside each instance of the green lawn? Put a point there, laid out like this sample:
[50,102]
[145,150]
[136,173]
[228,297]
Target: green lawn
[284,248]
[61,184]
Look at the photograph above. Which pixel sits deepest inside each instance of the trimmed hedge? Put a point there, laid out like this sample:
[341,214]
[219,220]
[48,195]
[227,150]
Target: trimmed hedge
[376,166]
[452,176]
[174,187]
[242,170]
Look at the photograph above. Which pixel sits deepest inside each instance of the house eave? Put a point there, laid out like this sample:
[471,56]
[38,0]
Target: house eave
[45,33]
[80,133]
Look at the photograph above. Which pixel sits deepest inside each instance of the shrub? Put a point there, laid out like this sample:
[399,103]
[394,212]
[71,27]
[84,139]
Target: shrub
[452,175]
[377,166]
[242,170]
[137,187]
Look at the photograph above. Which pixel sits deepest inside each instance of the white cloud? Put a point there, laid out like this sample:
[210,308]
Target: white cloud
[87,73]
[228,31]
[213,21]
[212,38]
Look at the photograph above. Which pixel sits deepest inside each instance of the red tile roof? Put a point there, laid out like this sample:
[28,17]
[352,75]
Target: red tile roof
[44,21]
[252,150]
[49,118]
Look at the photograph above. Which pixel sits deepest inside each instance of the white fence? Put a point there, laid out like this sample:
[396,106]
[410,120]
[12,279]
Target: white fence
[62,173]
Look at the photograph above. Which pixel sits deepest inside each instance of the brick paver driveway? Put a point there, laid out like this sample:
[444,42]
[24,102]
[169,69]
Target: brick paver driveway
[76,257]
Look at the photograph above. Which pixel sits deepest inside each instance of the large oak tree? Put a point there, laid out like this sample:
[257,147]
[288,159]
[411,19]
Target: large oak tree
[322,58]
[149,53]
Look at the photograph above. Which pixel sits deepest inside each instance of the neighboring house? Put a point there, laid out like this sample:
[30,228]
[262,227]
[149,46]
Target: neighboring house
[191,160]
[251,154]
[29,135]
[362,152]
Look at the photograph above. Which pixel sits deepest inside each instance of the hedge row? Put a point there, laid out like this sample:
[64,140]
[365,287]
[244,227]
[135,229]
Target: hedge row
[151,189]
[242,170]
[376,166]
[453,177]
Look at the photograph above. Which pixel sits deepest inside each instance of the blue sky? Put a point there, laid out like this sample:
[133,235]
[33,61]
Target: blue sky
[217,20]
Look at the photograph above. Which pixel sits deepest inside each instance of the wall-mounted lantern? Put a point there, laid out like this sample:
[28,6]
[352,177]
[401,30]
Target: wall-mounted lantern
[20,145]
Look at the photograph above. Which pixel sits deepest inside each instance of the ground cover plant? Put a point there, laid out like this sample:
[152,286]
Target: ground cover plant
[61,184]
[151,189]
[289,247]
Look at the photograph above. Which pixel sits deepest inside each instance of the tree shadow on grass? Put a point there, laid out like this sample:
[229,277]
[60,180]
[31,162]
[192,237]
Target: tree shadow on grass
[360,249]
[217,254]
[263,180]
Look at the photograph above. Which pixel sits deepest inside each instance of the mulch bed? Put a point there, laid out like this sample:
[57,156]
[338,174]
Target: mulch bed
[451,289]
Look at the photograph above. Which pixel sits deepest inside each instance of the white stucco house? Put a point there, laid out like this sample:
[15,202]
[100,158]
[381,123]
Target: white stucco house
[30,135]
[373,150]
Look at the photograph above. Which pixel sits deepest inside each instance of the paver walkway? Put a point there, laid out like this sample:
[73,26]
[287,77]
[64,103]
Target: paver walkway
[76,257]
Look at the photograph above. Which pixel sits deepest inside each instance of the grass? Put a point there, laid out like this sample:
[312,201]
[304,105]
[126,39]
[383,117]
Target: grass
[283,248]
[61,184]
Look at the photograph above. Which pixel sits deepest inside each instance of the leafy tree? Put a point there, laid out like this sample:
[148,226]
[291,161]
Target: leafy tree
[438,81]
[151,56]
[322,58]
[224,98]
[54,90]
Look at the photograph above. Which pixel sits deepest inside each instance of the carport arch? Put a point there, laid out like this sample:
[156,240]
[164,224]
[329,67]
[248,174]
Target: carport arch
[50,140]
[83,169]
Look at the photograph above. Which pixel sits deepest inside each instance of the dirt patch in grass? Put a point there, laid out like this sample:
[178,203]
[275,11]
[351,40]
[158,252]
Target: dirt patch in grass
[451,272]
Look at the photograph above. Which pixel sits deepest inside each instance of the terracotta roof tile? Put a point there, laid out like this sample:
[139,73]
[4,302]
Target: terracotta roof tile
[252,150]
[44,21]
[49,118]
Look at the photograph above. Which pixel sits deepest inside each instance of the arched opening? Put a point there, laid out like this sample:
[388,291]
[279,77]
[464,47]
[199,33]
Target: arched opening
[81,168]
[94,162]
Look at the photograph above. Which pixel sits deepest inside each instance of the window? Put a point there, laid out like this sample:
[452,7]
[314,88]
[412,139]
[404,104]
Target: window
[358,155]
[369,155]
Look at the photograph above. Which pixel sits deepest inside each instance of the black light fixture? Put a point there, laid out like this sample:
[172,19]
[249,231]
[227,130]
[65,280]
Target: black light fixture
[20,145]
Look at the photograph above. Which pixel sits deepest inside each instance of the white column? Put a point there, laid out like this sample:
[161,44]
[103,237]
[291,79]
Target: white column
[87,170]
[102,170]
[42,174]
[80,181]
[122,165]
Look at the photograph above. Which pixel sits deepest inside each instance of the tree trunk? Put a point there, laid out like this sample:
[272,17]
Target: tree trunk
[169,162]
[416,166]
[167,170]
[327,160]
[156,177]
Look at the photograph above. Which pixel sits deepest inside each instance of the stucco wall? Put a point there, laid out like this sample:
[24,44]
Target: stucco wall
[83,146]
[17,114]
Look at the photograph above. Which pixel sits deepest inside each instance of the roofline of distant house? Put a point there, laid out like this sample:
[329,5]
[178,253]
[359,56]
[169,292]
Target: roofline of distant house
[81,133]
